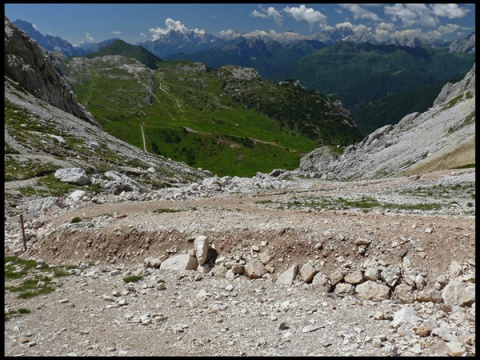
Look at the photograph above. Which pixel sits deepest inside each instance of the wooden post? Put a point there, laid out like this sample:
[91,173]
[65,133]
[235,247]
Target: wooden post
[23,233]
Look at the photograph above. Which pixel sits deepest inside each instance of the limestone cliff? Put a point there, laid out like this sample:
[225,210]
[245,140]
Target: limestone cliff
[27,64]
[441,138]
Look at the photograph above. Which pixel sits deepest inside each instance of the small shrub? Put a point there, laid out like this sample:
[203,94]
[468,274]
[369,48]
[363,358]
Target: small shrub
[75,220]
[22,311]
[159,211]
[132,278]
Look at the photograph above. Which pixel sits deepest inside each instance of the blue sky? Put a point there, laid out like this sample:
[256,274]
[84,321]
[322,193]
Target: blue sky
[78,23]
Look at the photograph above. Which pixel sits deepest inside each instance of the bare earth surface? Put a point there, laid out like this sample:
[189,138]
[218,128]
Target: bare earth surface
[199,312]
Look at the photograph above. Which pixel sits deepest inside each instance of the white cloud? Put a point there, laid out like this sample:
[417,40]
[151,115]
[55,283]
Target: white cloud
[383,31]
[449,28]
[451,11]
[270,12]
[313,17]
[359,12]
[228,34]
[416,33]
[35,27]
[386,26]
[423,15]
[89,37]
[143,35]
[175,26]
[116,33]
[412,14]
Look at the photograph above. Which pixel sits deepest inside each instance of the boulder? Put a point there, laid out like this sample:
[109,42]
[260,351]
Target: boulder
[321,282]
[405,315]
[454,269]
[180,262]
[77,195]
[403,294]
[152,262]
[343,289]
[265,257]
[371,290]
[372,273]
[288,275]
[254,269]
[458,293]
[74,176]
[201,246]
[391,274]
[307,272]
[354,277]
[336,277]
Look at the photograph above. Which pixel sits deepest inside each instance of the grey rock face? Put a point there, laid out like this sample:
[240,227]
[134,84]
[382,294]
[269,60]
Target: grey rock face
[395,149]
[449,91]
[26,64]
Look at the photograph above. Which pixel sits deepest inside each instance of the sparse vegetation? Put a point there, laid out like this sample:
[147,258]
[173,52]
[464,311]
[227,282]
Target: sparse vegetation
[132,278]
[160,211]
[13,313]
[37,279]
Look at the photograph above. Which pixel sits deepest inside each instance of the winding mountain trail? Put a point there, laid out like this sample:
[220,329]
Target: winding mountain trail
[143,138]
[187,129]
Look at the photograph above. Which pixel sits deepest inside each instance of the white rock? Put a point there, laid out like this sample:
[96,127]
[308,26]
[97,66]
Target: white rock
[458,293]
[77,195]
[343,289]
[75,176]
[201,245]
[372,273]
[371,290]
[354,277]
[307,272]
[455,348]
[391,274]
[288,275]
[404,315]
[254,269]
[454,270]
[179,262]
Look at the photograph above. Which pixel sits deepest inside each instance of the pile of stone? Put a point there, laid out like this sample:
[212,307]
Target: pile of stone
[370,281]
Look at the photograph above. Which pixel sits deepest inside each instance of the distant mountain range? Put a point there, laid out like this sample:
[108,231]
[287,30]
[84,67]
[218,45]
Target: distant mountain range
[191,41]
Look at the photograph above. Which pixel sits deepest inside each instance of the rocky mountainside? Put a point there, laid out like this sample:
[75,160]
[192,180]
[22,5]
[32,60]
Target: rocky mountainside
[45,131]
[464,45]
[441,138]
[28,65]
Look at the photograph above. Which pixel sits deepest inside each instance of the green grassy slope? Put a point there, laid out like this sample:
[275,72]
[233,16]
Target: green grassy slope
[120,47]
[210,119]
